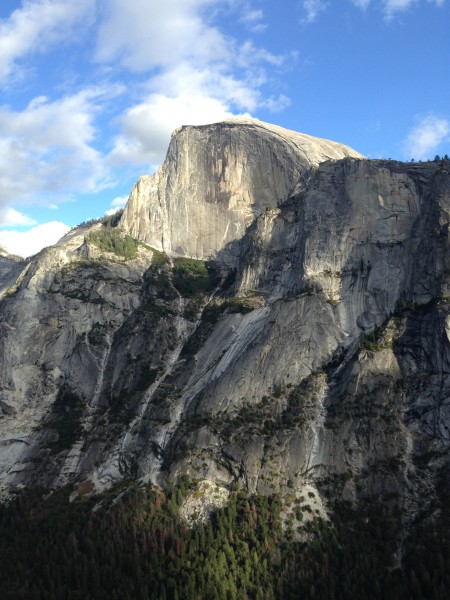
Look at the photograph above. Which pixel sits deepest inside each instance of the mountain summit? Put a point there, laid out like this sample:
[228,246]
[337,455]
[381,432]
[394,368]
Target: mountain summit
[310,351]
[216,179]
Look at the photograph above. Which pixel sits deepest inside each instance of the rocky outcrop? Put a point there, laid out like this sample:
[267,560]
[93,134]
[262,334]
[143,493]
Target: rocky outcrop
[317,359]
[10,268]
[315,380]
[58,321]
[215,180]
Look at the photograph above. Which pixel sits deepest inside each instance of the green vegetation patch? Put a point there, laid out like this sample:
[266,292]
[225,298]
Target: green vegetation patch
[113,240]
[158,281]
[192,277]
[159,259]
[375,341]
[251,419]
[107,221]
[302,401]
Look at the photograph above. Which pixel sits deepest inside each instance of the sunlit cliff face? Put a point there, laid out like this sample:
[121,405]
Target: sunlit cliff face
[312,348]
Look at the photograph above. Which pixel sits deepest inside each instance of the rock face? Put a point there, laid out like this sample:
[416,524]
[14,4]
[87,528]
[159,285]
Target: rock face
[319,357]
[10,267]
[215,180]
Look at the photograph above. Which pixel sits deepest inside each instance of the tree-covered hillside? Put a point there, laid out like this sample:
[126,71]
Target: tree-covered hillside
[130,544]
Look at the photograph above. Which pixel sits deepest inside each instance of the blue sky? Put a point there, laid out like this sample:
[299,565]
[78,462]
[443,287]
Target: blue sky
[91,90]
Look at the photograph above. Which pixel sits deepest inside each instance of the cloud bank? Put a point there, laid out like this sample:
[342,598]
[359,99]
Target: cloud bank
[27,243]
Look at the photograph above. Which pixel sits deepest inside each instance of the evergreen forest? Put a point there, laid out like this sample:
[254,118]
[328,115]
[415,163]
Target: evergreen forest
[130,544]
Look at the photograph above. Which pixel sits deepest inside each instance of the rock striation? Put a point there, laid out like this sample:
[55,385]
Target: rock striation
[215,180]
[312,351]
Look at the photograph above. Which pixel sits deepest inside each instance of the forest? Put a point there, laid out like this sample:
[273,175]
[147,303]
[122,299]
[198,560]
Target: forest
[130,544]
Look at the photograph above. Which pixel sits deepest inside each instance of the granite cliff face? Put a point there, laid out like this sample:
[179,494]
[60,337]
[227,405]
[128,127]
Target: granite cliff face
[312,352]
[215,180]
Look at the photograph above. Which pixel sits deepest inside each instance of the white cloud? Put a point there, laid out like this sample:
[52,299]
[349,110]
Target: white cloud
[253,19]
[38,25]
[146,127]
[145,35]
[9,217]
[312,9]
[27,243]
[393,7]
[47,149]
[424,140]
[186,81]
[181,70]
[117,204]
[249,54]
[112,211]
[197,74]
[120,201]
[278,103]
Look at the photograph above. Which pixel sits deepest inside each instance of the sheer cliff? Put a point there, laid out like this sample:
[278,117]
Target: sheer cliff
[311,352]
[215,180]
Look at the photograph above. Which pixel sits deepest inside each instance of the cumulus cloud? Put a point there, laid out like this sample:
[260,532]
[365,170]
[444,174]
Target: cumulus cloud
[38,25]
[425,138]
[201,77]
[179,68]
[145,35]
[48,148]
[120,201]
[146,127]
[27,243]
[10,217]
[117,204]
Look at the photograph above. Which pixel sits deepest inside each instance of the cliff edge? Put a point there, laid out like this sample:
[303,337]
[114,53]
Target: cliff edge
[216,180]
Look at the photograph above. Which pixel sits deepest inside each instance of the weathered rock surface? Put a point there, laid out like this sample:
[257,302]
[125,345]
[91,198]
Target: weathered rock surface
[215,180]
[10,268]
[322,359]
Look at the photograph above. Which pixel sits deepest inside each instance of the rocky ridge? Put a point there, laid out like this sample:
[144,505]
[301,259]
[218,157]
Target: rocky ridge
[215,180]
[313,350]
